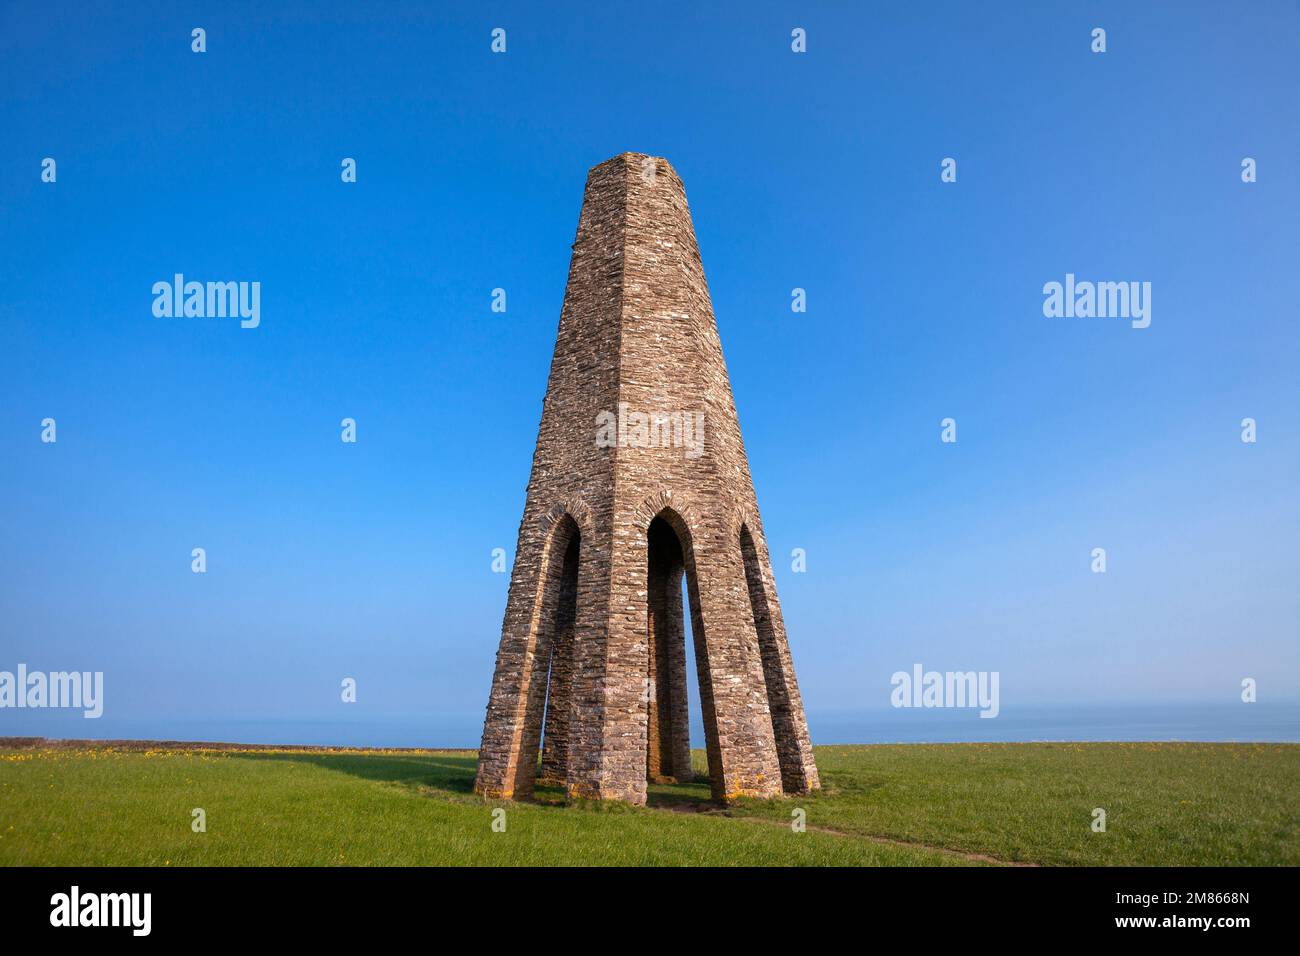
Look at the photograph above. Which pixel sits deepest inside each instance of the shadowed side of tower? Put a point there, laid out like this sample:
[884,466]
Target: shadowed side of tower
[640,485]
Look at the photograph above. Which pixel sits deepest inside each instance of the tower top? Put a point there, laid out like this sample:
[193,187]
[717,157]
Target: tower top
[649,167]
[633,157]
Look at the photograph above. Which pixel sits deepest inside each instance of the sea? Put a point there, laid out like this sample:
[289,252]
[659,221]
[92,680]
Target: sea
[1256,722]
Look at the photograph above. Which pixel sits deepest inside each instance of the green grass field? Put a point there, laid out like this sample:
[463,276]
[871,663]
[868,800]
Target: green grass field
[961,804]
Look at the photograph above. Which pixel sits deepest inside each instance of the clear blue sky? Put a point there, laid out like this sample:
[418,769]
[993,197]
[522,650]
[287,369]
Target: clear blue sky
[820,170]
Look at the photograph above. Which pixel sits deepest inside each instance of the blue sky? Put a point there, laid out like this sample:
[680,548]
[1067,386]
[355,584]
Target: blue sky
[818,170]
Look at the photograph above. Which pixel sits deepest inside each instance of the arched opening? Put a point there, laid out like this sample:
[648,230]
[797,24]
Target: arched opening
[559,672]
[550,678]
[668,745]
[778,696]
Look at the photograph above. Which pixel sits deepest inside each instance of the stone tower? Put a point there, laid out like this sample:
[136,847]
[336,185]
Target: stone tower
[640,478]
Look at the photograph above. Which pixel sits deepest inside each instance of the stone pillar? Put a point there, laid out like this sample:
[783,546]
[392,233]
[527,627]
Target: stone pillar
[680,742]
[669,721]
[559,703]
[794,748]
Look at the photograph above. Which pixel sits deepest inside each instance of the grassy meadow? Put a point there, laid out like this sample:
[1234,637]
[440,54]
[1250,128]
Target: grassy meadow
[898,805]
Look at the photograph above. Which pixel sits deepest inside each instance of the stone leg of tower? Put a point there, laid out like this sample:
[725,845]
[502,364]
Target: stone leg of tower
[794,747]
[512,731]
[669,757]
[679,742]
[659,639]
[555,736]
[746,743]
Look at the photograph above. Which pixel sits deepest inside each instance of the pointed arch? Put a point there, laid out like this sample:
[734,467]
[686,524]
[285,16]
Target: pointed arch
[544,700]
[669,525]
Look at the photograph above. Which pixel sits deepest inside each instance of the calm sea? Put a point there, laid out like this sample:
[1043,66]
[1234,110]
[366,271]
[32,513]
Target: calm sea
[1271,722]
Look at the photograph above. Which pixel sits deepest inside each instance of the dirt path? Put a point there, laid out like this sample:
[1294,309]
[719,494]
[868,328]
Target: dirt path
[712,810]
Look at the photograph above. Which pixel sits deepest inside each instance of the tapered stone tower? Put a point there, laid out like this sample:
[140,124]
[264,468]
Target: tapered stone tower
[640,478]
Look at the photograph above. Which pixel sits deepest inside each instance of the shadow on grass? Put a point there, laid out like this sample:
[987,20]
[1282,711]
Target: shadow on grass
[692,797]
[448,773]
[453,775]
